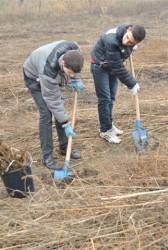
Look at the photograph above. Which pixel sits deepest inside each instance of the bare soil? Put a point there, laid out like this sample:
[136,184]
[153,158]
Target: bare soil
[90,211]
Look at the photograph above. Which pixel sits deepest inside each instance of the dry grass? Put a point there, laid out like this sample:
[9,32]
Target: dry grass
[79,217]
[12,159]
[116,8]
[118,199]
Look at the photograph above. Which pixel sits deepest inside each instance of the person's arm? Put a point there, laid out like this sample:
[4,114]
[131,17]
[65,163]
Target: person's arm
[115,63]
[52,96]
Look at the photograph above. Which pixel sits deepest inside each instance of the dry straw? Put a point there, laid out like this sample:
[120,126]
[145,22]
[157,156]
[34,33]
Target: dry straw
[12,159]
[117,200]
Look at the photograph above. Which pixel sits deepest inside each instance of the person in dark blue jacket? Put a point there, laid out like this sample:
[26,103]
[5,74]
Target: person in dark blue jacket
[107,65]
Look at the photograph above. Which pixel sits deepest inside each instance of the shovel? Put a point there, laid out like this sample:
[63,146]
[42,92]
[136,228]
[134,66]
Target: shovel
[139,134]
[65,171]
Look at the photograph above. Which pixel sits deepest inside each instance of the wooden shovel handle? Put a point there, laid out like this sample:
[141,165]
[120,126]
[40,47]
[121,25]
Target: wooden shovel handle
[69,146]
[136,96]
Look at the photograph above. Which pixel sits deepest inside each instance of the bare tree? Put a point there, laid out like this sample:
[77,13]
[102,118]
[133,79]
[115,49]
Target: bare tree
[39,5]
[20,2]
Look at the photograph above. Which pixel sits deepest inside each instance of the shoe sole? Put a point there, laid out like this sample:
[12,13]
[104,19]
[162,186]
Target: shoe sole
[119,133]
[114,142]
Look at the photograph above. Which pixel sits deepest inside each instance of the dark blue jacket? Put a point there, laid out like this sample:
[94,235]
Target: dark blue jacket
[110,54]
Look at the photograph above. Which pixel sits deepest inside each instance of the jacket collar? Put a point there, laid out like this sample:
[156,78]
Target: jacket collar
[121,31]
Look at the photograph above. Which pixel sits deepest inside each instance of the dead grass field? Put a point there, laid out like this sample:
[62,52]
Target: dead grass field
[116,201]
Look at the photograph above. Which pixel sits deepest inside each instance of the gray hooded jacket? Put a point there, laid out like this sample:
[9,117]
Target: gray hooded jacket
[43,66]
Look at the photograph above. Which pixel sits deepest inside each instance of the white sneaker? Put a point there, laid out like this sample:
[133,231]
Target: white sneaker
[110,136]
[116,130]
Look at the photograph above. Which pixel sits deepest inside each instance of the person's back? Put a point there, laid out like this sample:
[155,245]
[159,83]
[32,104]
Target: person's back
[35,63]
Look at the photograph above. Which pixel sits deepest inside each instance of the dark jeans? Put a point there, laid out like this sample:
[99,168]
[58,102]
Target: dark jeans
[106,85]
[45,121]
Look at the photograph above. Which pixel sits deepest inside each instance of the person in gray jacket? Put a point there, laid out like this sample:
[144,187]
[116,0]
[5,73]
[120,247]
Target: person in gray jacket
[45,71]
[107,57]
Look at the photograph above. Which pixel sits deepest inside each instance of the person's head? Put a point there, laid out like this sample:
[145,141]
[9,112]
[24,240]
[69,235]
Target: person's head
[72,62]
[133,35]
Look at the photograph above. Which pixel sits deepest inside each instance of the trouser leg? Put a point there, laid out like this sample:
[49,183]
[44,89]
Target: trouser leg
[63,142]
[45,120]
[62,138]
[113,91]
[102,87]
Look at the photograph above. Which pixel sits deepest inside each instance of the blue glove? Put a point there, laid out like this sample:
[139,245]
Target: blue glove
[78,85]
[68,130]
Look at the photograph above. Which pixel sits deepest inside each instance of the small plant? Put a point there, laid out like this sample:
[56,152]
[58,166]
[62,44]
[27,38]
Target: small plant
[12,159]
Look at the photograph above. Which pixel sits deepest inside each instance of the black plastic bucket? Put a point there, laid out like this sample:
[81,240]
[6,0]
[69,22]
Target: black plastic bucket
[18,183]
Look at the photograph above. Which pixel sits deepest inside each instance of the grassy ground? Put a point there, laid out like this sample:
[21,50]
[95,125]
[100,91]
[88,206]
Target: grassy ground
[96,210]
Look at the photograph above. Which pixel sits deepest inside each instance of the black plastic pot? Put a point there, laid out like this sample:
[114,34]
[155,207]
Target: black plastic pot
[17,182]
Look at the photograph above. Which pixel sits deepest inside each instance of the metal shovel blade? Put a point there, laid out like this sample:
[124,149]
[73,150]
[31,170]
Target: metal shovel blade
[62,173]
[139,136]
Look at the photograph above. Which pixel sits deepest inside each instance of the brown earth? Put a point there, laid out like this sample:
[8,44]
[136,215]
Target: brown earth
[82,214]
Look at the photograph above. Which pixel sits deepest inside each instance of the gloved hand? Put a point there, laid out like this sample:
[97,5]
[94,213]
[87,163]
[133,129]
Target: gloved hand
[135,47]
[68,129]
[78,85]
[135,89]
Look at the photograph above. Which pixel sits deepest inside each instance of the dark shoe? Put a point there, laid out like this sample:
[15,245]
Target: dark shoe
[51,164]
[74,154]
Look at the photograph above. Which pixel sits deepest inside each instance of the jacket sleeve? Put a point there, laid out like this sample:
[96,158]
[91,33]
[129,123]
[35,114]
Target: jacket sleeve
[115,63]
[52,96]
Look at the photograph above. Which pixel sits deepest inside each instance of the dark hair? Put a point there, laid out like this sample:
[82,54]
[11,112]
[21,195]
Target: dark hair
[138,32]
[74,60]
